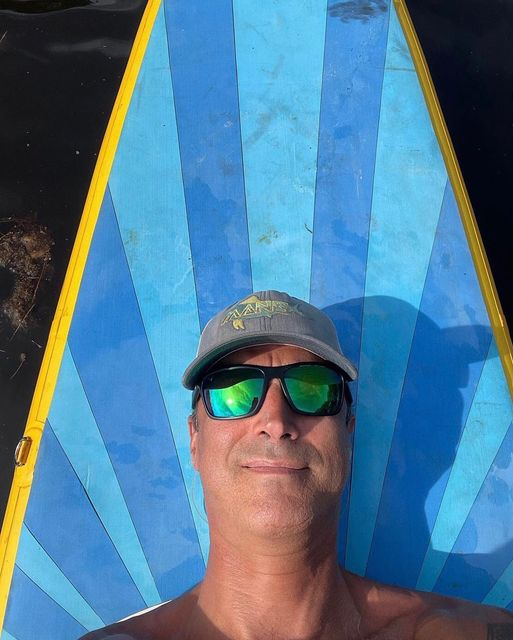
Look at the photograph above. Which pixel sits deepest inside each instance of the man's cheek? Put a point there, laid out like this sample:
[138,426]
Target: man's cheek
[211,459]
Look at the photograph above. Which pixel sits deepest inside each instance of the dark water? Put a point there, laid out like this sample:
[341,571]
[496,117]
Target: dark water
[40,6]
[61,63]
[469,48]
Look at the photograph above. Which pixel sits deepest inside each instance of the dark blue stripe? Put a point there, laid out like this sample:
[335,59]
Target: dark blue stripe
[484,547]
[354,59]
[202,53]
[32,614]
[350,105]
[61,518]
[113,359]
[451,341]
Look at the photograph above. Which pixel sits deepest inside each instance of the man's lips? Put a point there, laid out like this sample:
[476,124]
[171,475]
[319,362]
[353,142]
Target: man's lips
[274,466]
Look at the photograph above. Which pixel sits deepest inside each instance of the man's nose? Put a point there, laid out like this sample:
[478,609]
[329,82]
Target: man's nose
[276,419]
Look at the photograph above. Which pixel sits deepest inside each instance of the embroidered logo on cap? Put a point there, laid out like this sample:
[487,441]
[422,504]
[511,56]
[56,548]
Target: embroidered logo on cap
[253,307]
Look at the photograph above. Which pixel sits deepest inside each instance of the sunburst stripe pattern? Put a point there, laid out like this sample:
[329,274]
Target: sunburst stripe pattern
[387,259]
[126,399]
[158,250]
[202,55]
[485,429]
[403,223]
[279,50]
[60,517]
[487,533]
[354,61]
[349,115]
[71,415]
[451,334]
[37,565]
[37,615]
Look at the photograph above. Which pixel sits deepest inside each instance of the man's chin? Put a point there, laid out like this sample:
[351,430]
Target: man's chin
[274,517]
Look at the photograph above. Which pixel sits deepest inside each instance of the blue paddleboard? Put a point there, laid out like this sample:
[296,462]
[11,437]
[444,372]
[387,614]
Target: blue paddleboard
[293,146]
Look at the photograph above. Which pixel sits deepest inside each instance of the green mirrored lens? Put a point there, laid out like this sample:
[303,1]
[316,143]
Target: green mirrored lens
[229,396]
[314,389]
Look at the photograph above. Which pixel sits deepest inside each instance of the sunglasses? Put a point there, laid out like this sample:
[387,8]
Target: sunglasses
[311,389]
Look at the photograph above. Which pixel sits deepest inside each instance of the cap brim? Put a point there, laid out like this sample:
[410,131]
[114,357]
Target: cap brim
[201,364]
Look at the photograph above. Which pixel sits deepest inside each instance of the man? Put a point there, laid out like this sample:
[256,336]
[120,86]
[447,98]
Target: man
[270,438]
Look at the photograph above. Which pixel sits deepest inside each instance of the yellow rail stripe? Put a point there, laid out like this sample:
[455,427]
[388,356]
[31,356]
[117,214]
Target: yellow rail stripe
[47,379]
[484,273]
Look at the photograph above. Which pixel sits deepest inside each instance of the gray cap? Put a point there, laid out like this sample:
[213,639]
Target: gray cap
[267,317]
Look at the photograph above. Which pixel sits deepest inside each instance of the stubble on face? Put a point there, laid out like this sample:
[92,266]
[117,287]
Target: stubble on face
[244,496]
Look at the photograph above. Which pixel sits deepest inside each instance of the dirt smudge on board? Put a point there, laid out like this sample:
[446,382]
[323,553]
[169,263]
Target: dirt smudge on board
[268,237]
[362,10]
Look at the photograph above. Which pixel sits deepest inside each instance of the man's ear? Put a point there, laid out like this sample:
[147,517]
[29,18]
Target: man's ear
[193,441]
[351,424]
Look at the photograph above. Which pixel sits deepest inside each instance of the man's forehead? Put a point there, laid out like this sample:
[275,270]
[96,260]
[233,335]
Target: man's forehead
[267,353]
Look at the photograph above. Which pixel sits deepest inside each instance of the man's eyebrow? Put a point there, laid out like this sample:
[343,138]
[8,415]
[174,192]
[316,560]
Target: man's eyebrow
[500,631]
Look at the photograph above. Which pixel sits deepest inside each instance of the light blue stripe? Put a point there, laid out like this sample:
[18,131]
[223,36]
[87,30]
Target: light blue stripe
[33,560]
[147,191]
[279,50]
[409,186]
[488,421]
[70,415]
[501,594]
[482,550]
[32,614]
[7,636]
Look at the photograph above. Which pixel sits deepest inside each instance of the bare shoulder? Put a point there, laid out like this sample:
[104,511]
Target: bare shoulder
[386,611]
[163,622]
[459,619]
[423,616]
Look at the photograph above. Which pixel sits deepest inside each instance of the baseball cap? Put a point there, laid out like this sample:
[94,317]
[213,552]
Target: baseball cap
[267,317]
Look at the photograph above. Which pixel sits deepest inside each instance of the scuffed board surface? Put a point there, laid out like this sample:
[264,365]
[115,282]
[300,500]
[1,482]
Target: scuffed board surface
[282,146]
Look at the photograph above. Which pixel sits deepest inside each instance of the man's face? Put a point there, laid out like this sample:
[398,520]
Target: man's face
[275,472]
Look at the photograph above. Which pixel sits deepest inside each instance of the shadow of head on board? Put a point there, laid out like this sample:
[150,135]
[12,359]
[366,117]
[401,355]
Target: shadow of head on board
[416,383]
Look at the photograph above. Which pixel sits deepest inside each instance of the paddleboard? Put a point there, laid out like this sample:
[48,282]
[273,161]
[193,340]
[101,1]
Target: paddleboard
[296,146]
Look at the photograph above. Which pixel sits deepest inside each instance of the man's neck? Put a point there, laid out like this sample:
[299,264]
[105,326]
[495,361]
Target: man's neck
[280,589]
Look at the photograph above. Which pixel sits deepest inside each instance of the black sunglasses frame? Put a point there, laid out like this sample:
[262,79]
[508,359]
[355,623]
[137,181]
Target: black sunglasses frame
[270,373]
